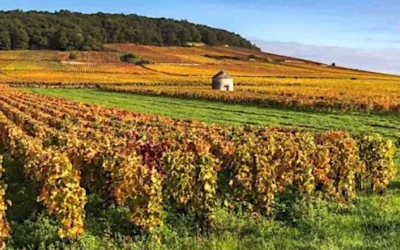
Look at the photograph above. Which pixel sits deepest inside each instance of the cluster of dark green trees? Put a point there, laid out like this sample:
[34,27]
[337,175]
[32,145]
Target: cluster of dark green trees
[65,30]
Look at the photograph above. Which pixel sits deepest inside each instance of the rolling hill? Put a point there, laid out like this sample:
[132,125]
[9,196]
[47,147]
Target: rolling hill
[260,78]
[66,30]
[164,65]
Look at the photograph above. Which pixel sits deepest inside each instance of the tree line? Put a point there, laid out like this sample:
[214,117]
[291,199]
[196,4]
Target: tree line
[66,30]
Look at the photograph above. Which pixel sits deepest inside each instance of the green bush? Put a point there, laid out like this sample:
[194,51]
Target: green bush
[133,58]
[73,56]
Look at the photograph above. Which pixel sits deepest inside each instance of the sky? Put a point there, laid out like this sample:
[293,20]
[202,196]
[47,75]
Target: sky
[361,34]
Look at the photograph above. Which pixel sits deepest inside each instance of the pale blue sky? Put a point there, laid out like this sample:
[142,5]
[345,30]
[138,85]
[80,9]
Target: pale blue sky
[370,25]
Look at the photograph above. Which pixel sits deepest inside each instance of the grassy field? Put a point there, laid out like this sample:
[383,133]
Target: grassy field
[386,124]
[371,223]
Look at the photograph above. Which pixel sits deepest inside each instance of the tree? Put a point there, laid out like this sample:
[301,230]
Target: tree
[60,40]
[77,39]
[66,30]
[169,34]
[195,34]
[38,41]
[5,40]
[210,38]
[184,36]
[19,36]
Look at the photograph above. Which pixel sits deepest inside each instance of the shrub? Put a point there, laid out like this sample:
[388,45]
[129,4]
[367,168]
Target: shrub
[338,177]
[133,58]
[377,154]
[87,48]
[4,226]
[73,56]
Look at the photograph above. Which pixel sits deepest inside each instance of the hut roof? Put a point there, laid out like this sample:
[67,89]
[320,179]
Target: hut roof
[222,75]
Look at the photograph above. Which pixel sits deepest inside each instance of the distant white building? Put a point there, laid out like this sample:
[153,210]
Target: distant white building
[195,44]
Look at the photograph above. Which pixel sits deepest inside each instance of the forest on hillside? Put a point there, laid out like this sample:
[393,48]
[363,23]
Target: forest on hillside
[66,30]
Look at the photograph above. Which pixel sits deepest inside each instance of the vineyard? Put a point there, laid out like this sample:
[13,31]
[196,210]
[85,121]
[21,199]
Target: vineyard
[310,94]
[155,166]
[260,78]
[121,176]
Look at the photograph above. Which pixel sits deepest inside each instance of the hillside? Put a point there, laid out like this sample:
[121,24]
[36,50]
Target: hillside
[185,72]
[239,61]
[165,65]
[65,30]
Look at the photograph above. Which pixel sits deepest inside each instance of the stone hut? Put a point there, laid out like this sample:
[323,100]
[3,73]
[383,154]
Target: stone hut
[222,81]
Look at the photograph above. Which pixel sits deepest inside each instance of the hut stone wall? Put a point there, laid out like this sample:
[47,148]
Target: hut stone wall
[222,84]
